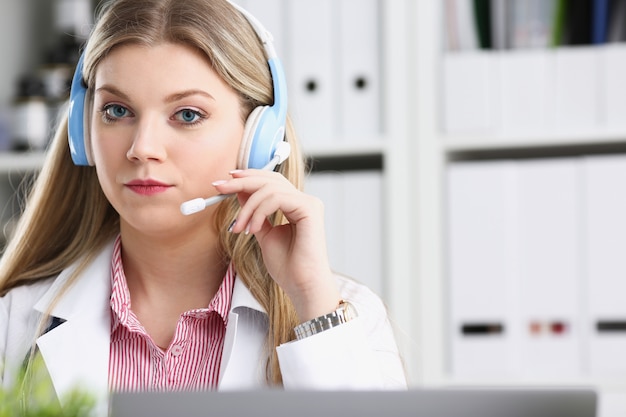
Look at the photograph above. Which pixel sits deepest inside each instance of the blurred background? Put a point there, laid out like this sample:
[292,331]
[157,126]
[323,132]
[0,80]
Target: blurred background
[471,155]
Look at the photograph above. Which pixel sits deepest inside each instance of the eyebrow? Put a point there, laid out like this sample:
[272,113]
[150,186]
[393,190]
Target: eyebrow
[183,94]
[169,99]
[112,90]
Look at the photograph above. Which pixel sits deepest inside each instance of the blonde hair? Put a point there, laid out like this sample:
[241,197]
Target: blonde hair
[67,217]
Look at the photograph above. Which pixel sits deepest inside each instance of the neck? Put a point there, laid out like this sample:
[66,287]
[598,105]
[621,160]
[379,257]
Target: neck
[186,271]
[167,277]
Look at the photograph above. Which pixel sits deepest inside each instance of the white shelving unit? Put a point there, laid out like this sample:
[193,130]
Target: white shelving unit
[432,150]
[423,183]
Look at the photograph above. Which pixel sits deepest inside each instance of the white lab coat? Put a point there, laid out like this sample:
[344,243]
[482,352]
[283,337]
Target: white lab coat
[361,354]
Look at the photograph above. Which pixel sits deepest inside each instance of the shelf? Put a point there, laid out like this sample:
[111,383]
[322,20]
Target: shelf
[486,146]
[352,162]
[20,161]
[348,149]
[486,141]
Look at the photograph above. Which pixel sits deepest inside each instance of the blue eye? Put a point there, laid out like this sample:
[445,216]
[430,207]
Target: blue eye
[189,116]
[116,111]
[111,113]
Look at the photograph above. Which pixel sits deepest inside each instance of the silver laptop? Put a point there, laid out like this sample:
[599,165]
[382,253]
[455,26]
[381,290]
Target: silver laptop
[412,403]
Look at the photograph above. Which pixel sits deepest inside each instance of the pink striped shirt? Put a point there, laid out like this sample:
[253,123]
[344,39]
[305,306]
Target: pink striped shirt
[192,360]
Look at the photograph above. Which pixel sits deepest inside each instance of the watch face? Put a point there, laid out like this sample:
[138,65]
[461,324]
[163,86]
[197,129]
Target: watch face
[349,312]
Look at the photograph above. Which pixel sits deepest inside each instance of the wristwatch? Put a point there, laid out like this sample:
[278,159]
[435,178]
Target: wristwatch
[344,313]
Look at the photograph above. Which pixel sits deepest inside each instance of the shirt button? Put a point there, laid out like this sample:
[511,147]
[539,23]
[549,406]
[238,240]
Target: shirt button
[176,350]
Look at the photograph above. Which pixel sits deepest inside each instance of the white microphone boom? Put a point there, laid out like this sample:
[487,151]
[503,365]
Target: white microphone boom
[198,204]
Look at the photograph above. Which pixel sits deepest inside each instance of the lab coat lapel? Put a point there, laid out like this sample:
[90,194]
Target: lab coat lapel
[243,357]
[76,352]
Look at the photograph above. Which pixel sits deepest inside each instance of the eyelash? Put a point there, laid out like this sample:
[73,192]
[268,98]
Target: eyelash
[107,118]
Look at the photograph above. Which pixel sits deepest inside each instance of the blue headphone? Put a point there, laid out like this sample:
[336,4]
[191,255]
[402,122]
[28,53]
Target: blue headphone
[264,129]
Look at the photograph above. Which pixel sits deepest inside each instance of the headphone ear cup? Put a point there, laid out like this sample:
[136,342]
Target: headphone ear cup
[250,131]
[77,119]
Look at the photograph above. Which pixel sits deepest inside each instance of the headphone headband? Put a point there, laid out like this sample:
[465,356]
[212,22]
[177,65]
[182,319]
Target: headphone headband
[264,35]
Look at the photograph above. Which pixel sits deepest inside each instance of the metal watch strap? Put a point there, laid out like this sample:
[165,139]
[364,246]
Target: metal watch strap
[344,313]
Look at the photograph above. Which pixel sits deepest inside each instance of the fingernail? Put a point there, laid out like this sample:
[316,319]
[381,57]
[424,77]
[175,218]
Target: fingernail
[219,182]
[235,171]
[232,224]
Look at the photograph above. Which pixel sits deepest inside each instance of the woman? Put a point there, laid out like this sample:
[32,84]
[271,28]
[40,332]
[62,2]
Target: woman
[114,289]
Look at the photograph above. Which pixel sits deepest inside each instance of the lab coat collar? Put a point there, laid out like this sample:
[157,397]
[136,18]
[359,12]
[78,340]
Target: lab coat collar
[80,300]
[244,352]
[76,352]
[242,297]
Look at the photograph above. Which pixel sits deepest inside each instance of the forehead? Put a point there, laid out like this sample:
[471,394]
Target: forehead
[155,66]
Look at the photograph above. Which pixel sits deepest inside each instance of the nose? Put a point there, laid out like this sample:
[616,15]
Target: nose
[147,144]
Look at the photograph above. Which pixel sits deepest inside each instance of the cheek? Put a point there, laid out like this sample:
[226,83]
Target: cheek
[105,143]
[210,161]
[222,150]
[108,157]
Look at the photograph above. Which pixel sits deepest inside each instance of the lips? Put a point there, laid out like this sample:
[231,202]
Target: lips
[147,187]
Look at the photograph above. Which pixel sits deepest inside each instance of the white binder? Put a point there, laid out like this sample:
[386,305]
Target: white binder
[527,89]
[311,77]
[470,92]
[353,215]
[328,187]
[577,81]
[359,69]
[605,242]
[515,271]
[550,267]
[613,86]
[362,219]
[482,236]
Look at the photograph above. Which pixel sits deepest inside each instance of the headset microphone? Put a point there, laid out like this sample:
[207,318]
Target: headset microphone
[198,204]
